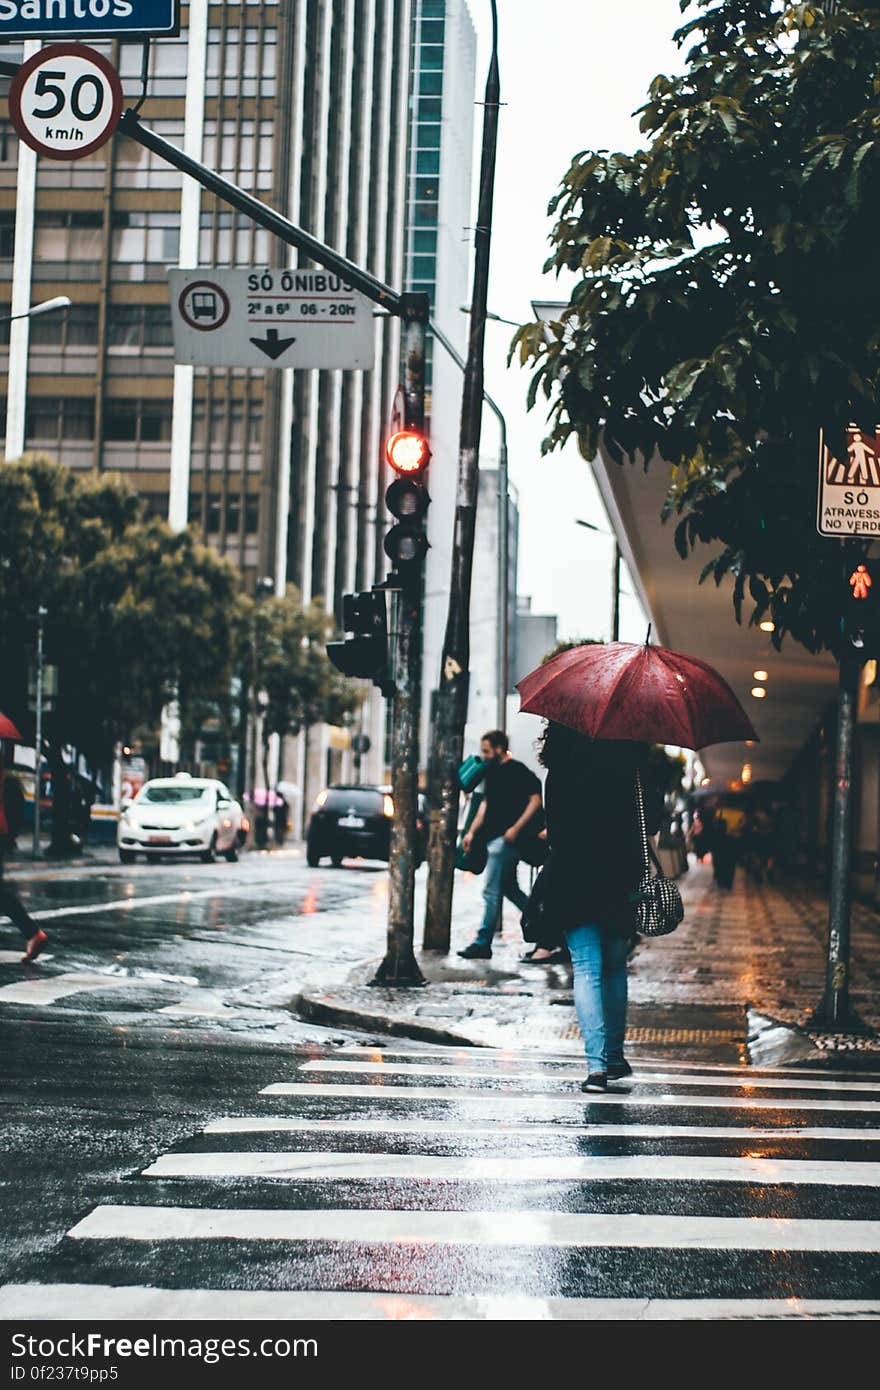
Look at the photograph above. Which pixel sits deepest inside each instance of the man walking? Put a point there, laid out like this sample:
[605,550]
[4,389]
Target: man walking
[512,797]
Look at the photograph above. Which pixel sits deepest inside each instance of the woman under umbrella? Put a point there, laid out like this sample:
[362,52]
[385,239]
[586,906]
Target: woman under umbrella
[605,704]
[596,865]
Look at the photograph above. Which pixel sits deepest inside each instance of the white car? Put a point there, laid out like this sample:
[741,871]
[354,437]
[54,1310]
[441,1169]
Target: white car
[181,815]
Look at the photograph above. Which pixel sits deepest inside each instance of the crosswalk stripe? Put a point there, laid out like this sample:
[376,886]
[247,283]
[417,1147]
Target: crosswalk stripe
[457,1095]
[108,1302]
[507,1058]
[480,1228]
[46,990]
[323,1166]
[267,1124]
[548,1078]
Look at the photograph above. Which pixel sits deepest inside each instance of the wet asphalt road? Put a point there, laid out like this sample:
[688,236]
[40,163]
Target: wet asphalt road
[170,1130]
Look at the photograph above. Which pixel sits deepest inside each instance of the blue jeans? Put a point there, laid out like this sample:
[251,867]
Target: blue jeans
[500,882]
[599,961]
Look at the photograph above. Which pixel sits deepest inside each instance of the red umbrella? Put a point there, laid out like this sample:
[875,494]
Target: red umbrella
[8,730]
[629,690]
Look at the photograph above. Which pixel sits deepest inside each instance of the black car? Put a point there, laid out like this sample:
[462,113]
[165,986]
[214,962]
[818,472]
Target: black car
[355,822]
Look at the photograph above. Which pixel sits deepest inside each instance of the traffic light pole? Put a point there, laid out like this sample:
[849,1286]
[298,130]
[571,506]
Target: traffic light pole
[399,966]
[450,713]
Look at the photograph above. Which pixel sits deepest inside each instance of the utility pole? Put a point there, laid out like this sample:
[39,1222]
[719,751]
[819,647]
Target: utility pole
[38,735]
[399,966]
[450,714]
[615,593]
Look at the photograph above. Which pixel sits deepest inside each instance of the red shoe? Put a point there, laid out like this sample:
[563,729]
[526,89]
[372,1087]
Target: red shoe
[35,946]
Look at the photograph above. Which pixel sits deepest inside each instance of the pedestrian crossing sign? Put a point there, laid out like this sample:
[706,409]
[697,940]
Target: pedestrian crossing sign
[849,487]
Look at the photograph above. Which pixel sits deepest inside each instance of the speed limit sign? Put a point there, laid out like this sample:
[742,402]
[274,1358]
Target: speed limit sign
[66,101]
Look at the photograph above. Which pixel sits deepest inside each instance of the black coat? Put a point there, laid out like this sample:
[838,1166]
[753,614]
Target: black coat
[596,856]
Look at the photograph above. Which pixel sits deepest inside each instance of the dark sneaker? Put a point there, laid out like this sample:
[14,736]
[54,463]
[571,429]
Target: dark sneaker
[476,952]
[618,1070]
[34,946]
[597,1081]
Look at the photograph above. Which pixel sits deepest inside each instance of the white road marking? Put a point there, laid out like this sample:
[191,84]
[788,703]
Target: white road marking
[504,1057]
[107,1302]
[324,1166]
[47,990]
[450,1094]
[239,890]
[538,1228]
[661,1078]
[267,1124]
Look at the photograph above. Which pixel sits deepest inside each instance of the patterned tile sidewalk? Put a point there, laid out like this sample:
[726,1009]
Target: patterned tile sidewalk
[758,950]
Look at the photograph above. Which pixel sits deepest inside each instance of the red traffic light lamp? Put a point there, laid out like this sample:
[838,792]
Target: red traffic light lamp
[407,500]
[408,452]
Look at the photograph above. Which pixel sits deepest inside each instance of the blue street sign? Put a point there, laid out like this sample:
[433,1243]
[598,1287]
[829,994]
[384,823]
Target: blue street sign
[87,19]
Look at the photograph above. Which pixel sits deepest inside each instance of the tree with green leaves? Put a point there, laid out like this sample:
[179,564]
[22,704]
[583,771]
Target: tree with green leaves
[725,306]
[299,685]
[137,613]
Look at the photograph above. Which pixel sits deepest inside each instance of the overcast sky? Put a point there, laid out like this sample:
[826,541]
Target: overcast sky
[572,74]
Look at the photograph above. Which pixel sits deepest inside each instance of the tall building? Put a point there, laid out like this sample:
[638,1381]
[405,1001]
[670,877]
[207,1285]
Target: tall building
[305,104]
[438,261]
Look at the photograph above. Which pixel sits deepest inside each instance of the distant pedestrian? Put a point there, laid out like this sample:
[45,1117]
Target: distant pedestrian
[725,853]
[10,903]
[512,798]
[279,815]
[596,863]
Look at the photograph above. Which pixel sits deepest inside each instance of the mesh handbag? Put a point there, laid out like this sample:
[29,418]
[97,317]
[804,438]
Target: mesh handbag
[658,904]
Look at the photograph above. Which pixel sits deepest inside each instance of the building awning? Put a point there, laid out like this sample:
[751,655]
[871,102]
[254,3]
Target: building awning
[699,619]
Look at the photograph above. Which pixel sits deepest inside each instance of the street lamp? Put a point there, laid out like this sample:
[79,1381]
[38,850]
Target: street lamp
[615,576]
[17,392]
[46,307]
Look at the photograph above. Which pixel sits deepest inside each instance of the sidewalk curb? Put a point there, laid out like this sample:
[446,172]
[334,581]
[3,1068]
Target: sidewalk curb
[325,1012]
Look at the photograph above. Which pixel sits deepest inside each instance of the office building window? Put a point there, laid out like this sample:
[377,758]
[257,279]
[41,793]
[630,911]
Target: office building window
[135,327]
[68,236]
[143,238]
[136,167]
[137,421]
[52,419]
[74,328]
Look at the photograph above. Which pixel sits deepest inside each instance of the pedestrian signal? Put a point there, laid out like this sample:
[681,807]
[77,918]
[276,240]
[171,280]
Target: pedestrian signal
[407,500]
[861,616]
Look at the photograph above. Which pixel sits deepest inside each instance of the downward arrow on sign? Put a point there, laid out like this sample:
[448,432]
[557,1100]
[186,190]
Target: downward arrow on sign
[272,345]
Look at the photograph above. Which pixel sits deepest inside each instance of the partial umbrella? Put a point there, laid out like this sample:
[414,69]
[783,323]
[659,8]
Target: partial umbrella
[636,692]
[8,730]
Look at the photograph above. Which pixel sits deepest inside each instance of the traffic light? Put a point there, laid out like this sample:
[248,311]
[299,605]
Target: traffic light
[407,500]
[861,613]
[365,654]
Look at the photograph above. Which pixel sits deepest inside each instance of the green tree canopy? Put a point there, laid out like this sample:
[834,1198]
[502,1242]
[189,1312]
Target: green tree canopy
[726,300]
[301,687]
[136,611]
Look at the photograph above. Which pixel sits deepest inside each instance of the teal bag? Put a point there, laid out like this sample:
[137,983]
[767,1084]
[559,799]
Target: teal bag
[471,773]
